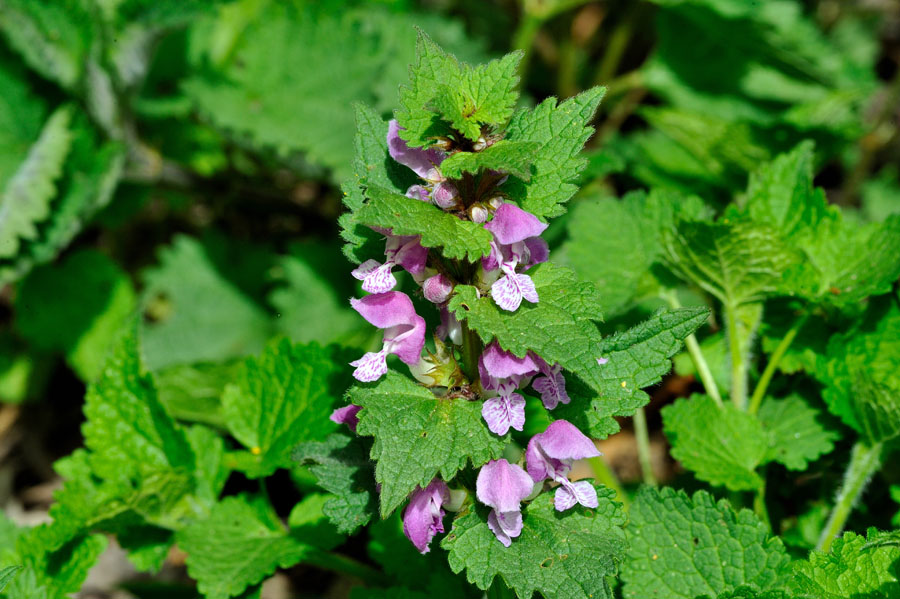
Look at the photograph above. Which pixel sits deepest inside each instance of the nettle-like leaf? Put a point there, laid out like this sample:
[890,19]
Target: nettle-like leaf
[735,259]
[683,547]
[561,328]
[238,545]
[619,255]
[852,568]
[76,307]
[561,132]
[342,467]
[405,216]
[514,157]
[566,555]
[280,398]
[466,98]
[860,374]
[797,435]
[721,445]
[419,436]
[847,261]
[197,312]
[26,197]
[331,57]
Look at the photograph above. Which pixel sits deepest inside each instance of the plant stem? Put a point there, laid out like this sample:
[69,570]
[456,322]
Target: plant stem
[762,386]
[335,562]
[643,446]
[615,49]
[693,347]
[738,367]
[759,502]
[471,350]
[864,462]
[523,39]
[605,476]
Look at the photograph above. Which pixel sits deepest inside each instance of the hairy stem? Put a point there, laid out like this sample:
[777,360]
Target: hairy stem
[471,350]
[643,446]
[607,477]
[759,392]
[693,347]
[864,462]
[738,364]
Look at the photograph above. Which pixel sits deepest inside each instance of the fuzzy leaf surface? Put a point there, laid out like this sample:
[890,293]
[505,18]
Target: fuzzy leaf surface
[405,216]
[237,546]
[722,446]
[513,157]
[566,555]
[418,436]
[797,435]
[342,467]
[561,131]
[850,569]
[683,547]
[280,398]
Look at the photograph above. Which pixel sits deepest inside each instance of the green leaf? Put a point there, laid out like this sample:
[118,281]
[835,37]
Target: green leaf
[860,377]
[797,435]
[561,132]
[850,569]
[560,328]
[309,524]
[237,546]
[404,216]
[76,307]
[54,38]
[127,427]
[7,574]
[514,157]
[341,466]
[281,398]
[565,555]
[22,116]
[197,313]
[721,445]
[618,254]
[331,56]
[419,436]
[683,547]
[738,261]
[193,392]
[26,197]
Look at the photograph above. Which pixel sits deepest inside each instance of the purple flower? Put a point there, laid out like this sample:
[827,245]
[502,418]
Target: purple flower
[445,195]
[496,365]
[403,250]
[418,192]
[404,332]
[423,162]
[502,486]
[516,243]
[437,288]
[551,386]
[450,327]
[423,517]
[504,411]
[550,455]
[601,361]
[347,415]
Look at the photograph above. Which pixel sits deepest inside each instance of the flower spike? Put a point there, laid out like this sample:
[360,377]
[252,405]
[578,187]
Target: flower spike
[404,332]
[502,486]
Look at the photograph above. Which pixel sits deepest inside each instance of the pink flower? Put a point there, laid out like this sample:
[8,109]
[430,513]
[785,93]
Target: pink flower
[404,332]
[437,288]
[402,250]
[423,162]
[516,243]
[423,517]
[347,415]
[502,371]
[551,386]
[502,486]
[550,455]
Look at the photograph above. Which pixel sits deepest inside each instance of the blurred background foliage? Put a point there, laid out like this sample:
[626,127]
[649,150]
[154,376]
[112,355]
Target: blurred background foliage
[183,159]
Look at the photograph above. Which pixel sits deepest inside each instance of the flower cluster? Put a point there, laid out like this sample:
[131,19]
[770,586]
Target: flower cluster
[494,376]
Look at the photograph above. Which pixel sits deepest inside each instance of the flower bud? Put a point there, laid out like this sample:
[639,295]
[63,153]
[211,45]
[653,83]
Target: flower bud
[418,192]
[495,202]
[437,288]
[480,144]
[445,195]
[478,213]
